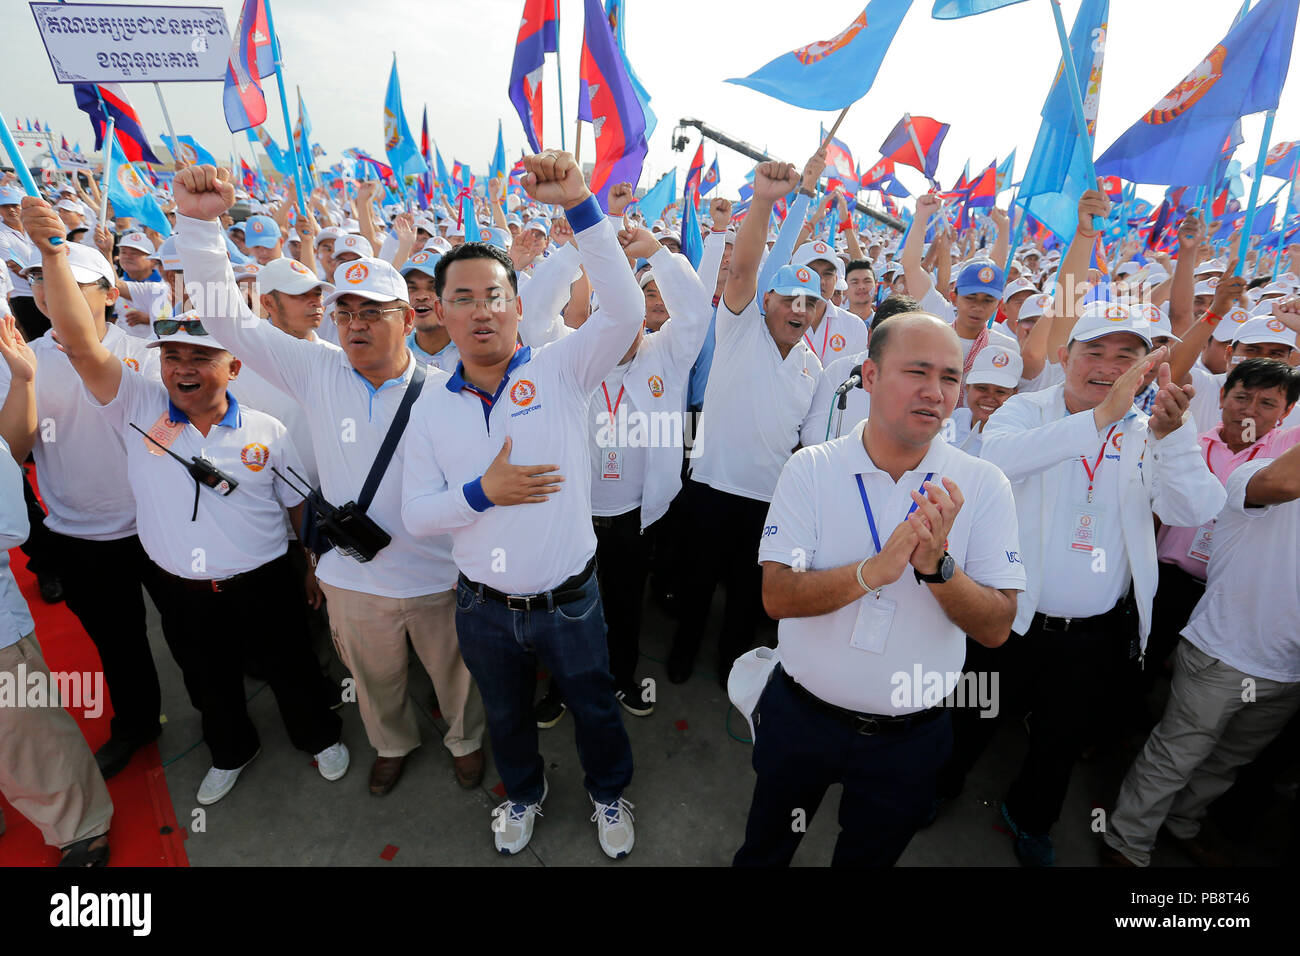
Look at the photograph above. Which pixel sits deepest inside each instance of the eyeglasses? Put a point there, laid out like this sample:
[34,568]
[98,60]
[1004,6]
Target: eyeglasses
[367,315]
[494,303]
[165,327]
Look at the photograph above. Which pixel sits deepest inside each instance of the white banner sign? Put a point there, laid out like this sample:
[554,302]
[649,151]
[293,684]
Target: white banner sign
[111,43]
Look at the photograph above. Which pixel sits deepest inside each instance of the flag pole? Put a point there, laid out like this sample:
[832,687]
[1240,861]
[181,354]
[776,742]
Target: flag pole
[559,79]
[170,132]
[284,104]
[108,169]
[20,167]
[1248,226]
[1076,99]
[1286,214]
[834,129]
[577,144]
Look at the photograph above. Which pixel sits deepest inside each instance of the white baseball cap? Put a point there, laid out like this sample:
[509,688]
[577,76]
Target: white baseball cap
[437,244]
[995,365]
[137,240]
[1206,286]
[540,225]
[1227,328]
[1262,330]
[167,256]
[89,265]
[1016,286]
[1210,267]
[357,245]
[288,276]
[247,271]
[1128,268]
[330,232]
[1157,318]
[1036,306]
[1102,318]
[198,336]
[811,252]
[370,278]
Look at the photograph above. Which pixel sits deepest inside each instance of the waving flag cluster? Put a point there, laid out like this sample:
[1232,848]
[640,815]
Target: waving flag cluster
[831,74]
[252,59]
[611,106]
[538,35]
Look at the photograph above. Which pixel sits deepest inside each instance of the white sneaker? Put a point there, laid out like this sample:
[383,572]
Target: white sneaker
[512,823]
[614,826]
[333,761]
[217,783]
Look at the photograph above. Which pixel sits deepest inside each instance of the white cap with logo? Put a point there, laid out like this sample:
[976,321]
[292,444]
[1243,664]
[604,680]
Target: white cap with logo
[995,365]
[372,279]
[288,276]
[1264,330]
[1101,318]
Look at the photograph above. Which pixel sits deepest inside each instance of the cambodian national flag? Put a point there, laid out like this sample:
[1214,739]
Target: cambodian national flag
[611,106]
[929,133]
[1113,186]
[983,190]
[710,179]
[1179,140]
[1281,160]
[538,31]
[877,174]
[424,195]
[831,74]
[130,135]
[694,175]
[838,158]
[252,59]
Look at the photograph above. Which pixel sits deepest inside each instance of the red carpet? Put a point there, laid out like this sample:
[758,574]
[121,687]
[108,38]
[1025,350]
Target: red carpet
[142,807]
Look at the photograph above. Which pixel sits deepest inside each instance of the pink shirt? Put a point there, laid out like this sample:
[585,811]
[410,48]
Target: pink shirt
[1172,544]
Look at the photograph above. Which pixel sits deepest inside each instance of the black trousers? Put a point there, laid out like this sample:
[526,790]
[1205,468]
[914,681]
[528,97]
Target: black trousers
[799,751]
[209,634]
[39,546]
[1176,597]
[622,566]
[724,534]
[103,584]
[1066,681]
[31,321]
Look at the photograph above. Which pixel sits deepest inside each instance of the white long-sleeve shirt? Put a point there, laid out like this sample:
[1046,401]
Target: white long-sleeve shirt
[15,619]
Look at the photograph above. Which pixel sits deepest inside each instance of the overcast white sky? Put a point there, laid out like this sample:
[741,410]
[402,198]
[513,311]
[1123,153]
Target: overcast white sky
[986,75]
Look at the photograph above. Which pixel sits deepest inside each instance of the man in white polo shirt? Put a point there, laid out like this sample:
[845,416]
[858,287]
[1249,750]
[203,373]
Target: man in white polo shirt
[840,332]
[351,398]
[1236,672]
[91,521]
[881,550]
[428,341]
[1088,470]
[522,534]
[760,387]
[222,549]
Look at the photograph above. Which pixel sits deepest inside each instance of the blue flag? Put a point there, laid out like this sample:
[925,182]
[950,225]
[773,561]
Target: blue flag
[831,74]
[658,196]
[444,178]
[692,243]
[131,195]
[402,149]
[188,152]
[498,168]
[1057,174]
[302,142]
[283,164]
[614,10]
[1180,139]
[956,9]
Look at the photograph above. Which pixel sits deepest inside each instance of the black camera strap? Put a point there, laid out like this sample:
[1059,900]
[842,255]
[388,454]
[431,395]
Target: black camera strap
[394,435]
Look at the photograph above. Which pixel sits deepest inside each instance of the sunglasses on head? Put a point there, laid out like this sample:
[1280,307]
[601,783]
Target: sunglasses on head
[165,327]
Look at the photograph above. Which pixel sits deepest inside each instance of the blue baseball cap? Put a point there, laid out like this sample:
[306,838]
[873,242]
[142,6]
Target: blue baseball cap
[796,280]
[424,262]
[10,196]
[981,276]
[493,236]
[261,232]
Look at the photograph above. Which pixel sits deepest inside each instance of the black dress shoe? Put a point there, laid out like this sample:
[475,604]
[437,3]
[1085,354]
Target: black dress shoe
[51,588]
[680,665]
[113,757]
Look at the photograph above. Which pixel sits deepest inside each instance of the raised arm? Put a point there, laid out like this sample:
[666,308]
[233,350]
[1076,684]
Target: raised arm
[1183,283]
[67,308]
[1184,354]
[1067,296]
[790,234]
[1002,244]
[1277,482]
[771,181]
[918,280]
[18,414]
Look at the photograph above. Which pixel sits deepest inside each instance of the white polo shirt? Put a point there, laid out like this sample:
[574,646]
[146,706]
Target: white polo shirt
[754,406]
[80,460]
[1247,616]
[1204,405]
[15,618]
[840,333]
[447,358]
[348,420]
[227,535]
[144,295]
[541,405]
[15,242]
[818,517]
[825,411]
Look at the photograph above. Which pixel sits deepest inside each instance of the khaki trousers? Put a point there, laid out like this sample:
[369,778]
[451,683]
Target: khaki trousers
[1191,758]
[370,635]
[46,768]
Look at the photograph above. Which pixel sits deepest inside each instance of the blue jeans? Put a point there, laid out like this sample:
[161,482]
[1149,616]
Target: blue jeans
[502,649]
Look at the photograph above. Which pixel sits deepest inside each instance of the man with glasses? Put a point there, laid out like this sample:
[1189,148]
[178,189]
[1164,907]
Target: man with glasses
[527,592]
[351,398]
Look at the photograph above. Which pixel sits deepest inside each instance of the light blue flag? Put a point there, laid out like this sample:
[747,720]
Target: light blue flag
[614,10]
[302,141]
[1057,173]
[402,148]
[444,178]
[188,152]
[132,196]
[498,168]
[658,196]
[956,9]
[692,243]
[1006,172]
[831,74]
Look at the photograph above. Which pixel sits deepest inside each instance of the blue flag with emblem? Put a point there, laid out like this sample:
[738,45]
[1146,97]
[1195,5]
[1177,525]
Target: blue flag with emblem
[402,149]
[188,152]
[658,196]
[831,74]
[131,195]
[1180,139]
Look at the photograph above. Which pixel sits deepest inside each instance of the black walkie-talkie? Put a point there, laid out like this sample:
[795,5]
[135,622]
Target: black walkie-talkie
[200,469]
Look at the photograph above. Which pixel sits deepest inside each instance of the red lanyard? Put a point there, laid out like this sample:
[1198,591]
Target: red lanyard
[613,410]
[1092,470]
[1253,452]
[826,331]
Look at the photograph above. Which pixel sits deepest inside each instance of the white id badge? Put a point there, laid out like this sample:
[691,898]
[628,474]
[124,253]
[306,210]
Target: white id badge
[1084,529]
[613,466]
[1202,545]
[871,630]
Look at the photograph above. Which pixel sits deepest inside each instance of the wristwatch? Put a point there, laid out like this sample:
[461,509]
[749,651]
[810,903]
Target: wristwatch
[947,568]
